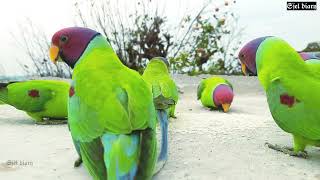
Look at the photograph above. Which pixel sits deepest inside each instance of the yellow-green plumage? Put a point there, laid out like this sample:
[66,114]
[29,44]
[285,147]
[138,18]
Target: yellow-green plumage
[165,92]
[284,74]
[158,76]
[206,88]
[50,98]
[112,116]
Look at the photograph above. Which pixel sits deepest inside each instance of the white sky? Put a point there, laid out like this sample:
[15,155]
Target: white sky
[259,17]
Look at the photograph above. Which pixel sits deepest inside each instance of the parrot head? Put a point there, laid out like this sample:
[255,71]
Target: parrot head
[164,60]
[247,56]
[68,44]
[223,97]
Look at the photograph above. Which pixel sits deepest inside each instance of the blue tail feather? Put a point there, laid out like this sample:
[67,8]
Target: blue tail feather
[118,147]
[163,120]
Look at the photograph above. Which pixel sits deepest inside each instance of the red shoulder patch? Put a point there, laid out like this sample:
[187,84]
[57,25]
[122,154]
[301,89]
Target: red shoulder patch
[71,91]
[34,93]
[285,99]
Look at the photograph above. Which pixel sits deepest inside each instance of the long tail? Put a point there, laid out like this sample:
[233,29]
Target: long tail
[121,155]
[3,93]
[163,155]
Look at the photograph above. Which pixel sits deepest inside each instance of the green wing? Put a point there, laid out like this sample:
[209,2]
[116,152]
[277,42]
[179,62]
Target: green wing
[168,88]
[200,89]
[29,96]
[300,119]
[122,105]
[92,154]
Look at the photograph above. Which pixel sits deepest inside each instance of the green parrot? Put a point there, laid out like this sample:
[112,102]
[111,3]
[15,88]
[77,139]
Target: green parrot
[157,74]
[215,93]
[46,101]
[165,89]
[292,87]
[112,115]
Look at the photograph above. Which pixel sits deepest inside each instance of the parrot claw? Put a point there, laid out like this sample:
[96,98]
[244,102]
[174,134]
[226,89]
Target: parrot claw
[174,117]
[52,122]
[288,150]
[78,162]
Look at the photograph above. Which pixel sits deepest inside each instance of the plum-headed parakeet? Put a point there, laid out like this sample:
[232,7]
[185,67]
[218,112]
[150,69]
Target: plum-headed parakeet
[157,75]
[215,93]
[46,101]
[292,87]
[111,115]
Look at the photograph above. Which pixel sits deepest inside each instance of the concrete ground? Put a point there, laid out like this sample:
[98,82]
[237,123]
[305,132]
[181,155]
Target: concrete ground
[204,144]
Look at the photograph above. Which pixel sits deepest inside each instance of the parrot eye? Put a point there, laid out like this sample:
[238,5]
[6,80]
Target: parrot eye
[63,39]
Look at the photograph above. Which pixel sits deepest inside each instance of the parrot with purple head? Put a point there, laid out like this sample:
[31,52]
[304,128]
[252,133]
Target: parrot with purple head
[291,85]
[215,93]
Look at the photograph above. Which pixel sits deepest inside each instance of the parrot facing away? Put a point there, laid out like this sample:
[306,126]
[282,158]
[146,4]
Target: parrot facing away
[112,115]
[45,101]
[157,75]
[215,93]
[291,85]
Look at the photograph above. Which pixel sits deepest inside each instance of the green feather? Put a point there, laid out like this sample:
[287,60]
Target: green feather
[200,89]
[282,71]
[158,76]
[110,99]
[50,100]
[206,89]
[92,154]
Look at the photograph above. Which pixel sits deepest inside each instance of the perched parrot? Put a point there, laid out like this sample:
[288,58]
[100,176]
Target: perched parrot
[112,115]
[157,75]
[215,93]
[292,87]
[46,101]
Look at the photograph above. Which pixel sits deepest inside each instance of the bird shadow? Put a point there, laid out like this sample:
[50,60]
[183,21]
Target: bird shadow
[236,110]
[23,121]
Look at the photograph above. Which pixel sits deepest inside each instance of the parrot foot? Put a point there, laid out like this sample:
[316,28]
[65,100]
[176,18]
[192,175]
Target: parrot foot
[52,122]
[78,162]
[288,150]
[174,117]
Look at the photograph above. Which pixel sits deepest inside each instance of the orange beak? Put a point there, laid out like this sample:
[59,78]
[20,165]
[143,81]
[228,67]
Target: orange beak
[54,53]
[243,68]
[225,107]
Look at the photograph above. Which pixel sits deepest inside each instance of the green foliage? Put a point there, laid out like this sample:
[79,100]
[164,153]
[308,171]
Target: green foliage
[146,41]
[312,47]
[201,43]
[136,38]
[204,42]
[212,47]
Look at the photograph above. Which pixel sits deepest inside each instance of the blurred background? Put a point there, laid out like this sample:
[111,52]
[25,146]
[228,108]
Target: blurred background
[196,36]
